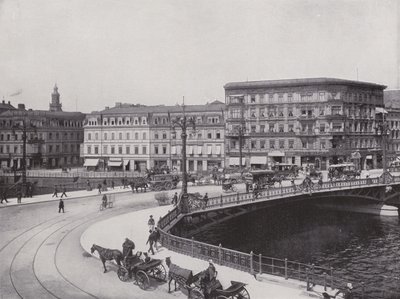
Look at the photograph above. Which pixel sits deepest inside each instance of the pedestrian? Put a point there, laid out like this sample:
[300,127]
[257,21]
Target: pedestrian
[30,190]
[55,191]
[99,187]
[112,184]
[205,200]
[61,206]
[88,186]
[247,187]
[104,200]
[150,241]
[4,195]
[151,223]
[157,237]
[64,191]
[19,195]
[175,199]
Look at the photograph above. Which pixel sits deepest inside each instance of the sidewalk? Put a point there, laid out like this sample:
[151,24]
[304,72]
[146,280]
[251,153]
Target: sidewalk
[70,195]
[112,232]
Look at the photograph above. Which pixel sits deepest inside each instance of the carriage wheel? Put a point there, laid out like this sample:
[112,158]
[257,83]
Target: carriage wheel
[234,189]
[142,280]
[159,273]
[168,186]
[195,294]
[101,207]
[244,294]
[158,187]
[123,274]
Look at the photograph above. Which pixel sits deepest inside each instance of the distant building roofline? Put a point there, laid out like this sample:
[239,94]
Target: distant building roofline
[299,82]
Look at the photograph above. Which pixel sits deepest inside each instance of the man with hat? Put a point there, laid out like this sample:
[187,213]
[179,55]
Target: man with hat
[151,223]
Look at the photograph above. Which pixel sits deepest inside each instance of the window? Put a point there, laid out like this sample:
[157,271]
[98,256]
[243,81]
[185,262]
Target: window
[164,150]
[291,143]
[322,128]
[156,149]
[322,96]
[304,144]
[105,149]
[290,97]
[321,111]
[262,144]
[89,150]
[120,136]
[290,128]
[120,150]
[262,128]
[144,150]
[136,150]
[113,150]
[164,135]
[50,148]
[199,136]
[58,136]
[96,150]
[252,99]
[209,135]
[281,129]
[253,144]
[280,98]
[280,112]
[272,128]
[89,136]
[336,110]
[127,136]
[155,135]
[236,113]
[323,145]
[144,135]
[281,144]
[218,135]
[272,143]
[136,136]
[253,129]
[127,150]
[290,112]
[112,136]
[105,136]
[96,136]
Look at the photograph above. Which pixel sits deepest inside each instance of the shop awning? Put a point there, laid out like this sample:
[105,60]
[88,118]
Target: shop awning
[218,150]
[115,163]
[209,150]
[258,160]
[233,161]
[91,162]
[173,150]
[199,149]
[276,154]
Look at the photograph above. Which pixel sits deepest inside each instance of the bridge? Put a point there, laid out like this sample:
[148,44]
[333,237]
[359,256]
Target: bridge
[379,195]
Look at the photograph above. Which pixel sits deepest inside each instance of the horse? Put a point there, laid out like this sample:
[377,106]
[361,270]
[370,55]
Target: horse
[179,275]
[106,254]
[136,184]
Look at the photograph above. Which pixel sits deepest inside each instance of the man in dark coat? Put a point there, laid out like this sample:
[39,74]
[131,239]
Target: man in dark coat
[55,191]
[175,199]
[61,206]
[64,191]
[4,195]
[150,241]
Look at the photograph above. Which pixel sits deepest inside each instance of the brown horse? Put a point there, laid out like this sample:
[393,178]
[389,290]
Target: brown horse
[107,255]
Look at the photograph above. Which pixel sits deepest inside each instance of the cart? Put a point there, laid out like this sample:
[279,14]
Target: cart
[134,268]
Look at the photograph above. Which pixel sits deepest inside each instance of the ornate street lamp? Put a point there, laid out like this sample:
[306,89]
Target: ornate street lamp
[184,123]
[382,129]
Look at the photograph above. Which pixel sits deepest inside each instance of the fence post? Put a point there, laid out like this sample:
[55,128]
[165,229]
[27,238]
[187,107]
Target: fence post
[251,263]
[325,274]
[259,261]
[313,272]
[220,254]
[192,246]
[286,277]
[308,280]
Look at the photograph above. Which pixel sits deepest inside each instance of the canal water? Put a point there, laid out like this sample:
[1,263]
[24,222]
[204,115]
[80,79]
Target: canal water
[359,247]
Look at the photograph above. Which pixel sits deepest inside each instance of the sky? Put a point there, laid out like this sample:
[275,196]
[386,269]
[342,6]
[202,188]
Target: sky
[152,52]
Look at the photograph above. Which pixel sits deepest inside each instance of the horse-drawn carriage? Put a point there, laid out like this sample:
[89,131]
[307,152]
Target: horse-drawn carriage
[159,182]
[140,271]
[285,171]
[198,286]
[343,171]
[262,178]
[229,185]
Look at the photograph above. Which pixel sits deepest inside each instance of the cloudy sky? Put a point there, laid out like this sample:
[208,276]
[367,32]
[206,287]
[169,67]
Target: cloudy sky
[156,51]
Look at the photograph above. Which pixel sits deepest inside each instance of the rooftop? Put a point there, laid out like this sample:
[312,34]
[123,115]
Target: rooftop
[299,82]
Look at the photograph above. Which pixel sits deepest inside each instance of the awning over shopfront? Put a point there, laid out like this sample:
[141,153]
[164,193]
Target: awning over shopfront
[115,163]
[233,161]
[276,154]
[91,162]
[258,160]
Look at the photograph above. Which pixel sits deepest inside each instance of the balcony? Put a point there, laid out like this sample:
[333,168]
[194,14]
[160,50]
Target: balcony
[335,116]
[35,141]
[308,133]
[307,117]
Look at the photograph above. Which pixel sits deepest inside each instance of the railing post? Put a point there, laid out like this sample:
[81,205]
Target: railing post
[192,246]
[286,277]
[251,263]
[237,197]
[221,201]
[259,261]
[272,266]
[220,254]
[308,280]
[331,278]
[325,274]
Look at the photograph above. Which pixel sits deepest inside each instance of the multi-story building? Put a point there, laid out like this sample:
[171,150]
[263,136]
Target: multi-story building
[133,137]
[392,117]
[303,121]
[53,138]
[6,106]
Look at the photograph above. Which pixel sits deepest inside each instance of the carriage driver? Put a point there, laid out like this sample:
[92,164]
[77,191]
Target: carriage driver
[104,201]
[127,247]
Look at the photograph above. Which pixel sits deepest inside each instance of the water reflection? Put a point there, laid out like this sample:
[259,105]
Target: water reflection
[359,247]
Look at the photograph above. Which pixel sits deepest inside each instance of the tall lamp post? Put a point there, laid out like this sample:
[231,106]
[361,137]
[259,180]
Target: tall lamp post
[383,130]
[184,123]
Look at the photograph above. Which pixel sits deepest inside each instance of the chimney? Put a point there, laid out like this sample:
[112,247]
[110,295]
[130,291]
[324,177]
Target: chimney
[21,106]
[106,108]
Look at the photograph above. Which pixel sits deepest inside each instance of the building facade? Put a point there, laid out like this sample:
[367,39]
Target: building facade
[317,121]
[53,138]
[135,138]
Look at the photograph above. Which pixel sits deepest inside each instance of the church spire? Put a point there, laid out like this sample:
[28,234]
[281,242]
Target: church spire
[55,104]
